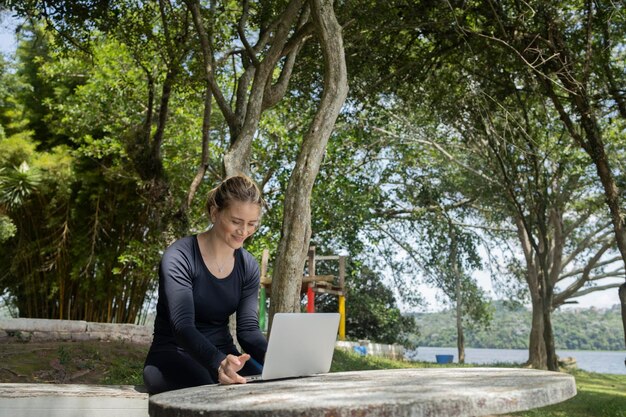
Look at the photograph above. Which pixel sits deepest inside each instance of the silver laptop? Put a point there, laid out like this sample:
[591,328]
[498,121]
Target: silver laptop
[300,344]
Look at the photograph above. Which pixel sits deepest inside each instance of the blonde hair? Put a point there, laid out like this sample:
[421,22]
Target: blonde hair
[238,188]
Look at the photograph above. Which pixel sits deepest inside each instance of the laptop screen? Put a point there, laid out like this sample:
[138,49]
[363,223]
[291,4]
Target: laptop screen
[300,344]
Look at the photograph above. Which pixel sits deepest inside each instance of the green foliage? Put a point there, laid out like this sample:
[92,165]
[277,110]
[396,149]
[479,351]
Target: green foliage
[77,250]
[83,111]
[371,311]
[574,329]
[7,228]
[17,185]
[345,361]
[124,371]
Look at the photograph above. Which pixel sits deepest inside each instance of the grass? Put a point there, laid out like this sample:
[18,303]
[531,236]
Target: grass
[85,362]
[599,395]
[112,363]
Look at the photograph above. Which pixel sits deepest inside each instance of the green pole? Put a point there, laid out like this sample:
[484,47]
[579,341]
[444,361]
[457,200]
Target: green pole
[262,311]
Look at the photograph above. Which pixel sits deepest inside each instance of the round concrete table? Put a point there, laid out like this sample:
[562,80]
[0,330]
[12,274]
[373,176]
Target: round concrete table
[428,392]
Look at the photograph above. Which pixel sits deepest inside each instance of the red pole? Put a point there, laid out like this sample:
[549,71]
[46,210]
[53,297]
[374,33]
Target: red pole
[310,298]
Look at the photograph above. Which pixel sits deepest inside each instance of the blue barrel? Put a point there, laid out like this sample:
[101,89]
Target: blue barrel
[444,358]
[361,350]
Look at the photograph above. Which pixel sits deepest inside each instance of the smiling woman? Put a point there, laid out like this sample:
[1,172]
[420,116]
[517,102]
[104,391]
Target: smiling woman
[203,280]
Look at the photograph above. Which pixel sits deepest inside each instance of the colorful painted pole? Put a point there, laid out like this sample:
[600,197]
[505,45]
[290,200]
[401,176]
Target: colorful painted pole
[310,300]
[310,296]
[342,317]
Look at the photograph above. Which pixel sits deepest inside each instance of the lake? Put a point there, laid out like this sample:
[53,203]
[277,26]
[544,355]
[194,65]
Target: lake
[606,362]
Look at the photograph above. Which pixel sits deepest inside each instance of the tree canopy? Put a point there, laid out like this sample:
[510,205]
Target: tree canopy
[473,136]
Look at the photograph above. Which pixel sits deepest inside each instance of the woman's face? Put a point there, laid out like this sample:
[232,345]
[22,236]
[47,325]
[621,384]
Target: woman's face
[236,223]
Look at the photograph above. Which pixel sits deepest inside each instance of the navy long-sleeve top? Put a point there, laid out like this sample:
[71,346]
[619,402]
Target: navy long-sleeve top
[194,306]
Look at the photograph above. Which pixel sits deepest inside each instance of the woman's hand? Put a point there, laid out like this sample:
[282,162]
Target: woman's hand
[227,371]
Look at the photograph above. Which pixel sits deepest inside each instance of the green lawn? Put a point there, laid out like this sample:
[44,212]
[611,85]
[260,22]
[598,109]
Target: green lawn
[90,362]
[599,395]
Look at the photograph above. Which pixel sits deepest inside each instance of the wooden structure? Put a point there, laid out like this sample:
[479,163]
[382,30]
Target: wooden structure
[311,284]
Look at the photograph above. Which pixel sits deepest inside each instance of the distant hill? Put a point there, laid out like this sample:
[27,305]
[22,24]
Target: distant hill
[574,329]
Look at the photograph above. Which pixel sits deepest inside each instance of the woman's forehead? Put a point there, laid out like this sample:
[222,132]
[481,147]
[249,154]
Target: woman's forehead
[243,210]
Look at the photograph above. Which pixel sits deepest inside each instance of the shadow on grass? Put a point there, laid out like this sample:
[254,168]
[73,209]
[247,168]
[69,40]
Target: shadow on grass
[599,395]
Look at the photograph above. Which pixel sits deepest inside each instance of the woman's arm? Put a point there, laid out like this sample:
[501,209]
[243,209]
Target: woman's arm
[175,273]
[248,333]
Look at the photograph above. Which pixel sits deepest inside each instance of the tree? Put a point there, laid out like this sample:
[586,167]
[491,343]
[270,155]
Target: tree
[64,243]
[575,54]
[280,36]
[296,231]
[470,65]
[169,31]
[451,277]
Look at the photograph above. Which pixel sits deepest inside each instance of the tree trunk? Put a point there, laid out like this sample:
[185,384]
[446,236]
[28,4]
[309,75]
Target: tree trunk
[204,160]
[454,267]
[460,337]
[296,227]
[548,336]
[207,57]
[237,158]
[622,299]
[243,121]
[537,357]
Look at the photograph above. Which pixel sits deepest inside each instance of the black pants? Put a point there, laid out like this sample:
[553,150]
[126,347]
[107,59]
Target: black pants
[167,371]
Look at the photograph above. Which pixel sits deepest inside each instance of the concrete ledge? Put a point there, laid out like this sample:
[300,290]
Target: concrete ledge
[46,329]
[373,349]
[67,400]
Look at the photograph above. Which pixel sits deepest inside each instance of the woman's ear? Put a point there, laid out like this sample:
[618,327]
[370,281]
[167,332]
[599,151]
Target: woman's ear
[213,214]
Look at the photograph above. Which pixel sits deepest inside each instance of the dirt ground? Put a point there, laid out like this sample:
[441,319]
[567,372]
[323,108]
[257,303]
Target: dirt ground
[80,362]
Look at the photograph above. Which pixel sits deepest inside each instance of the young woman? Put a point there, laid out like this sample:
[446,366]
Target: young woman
[203,279]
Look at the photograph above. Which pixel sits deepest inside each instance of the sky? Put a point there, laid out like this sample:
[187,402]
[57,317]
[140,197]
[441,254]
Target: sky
[7,34]
[604,299]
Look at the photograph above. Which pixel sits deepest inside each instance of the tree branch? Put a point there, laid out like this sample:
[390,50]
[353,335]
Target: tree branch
[207,54]
[421,210]
[275,92]
[597,265]
[241,30]
[558,300]
[441,150]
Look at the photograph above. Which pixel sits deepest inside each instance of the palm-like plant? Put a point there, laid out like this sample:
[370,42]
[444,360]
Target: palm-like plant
[17,185]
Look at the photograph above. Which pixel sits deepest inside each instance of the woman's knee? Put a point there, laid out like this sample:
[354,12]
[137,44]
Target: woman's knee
[154,380]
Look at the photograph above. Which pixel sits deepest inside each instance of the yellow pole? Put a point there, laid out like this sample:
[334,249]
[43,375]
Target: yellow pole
[342,319]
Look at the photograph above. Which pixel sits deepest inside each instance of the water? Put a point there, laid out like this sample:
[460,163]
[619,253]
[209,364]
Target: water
[606,362]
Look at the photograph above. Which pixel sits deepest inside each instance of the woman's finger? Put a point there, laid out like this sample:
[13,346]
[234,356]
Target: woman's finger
[223,377]
[227,372]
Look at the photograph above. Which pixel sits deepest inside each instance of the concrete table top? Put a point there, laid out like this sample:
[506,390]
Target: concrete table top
[431,392]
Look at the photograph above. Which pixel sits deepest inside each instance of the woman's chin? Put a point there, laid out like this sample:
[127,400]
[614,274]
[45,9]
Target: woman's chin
[236,243]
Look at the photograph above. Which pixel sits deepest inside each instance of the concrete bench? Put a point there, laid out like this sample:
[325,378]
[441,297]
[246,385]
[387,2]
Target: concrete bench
[67,400]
